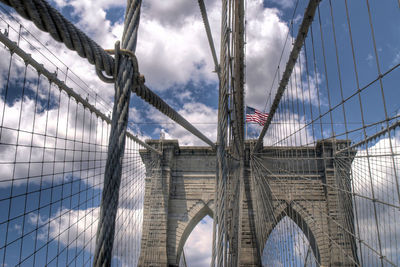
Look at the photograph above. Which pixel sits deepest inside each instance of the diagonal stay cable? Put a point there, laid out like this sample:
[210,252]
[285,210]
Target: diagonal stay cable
[53,78]
[209,34]
[48,19]
[307,20]
[150,97]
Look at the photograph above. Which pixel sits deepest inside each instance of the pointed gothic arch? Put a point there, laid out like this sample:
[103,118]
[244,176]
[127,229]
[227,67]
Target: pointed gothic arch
[195,215]
[180,191]
[300,217]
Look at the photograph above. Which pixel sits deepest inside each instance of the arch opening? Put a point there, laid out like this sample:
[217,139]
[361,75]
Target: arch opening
[198,228]
[197,247]
[290,242]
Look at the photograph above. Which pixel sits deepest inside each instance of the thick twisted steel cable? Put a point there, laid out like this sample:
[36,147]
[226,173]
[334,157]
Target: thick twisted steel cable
[147,95]
[53,78]
[112,177]
[126,78]
[48,19]
[132,14]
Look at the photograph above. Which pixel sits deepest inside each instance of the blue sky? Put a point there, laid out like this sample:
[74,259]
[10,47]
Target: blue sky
[175,59]
[174,56]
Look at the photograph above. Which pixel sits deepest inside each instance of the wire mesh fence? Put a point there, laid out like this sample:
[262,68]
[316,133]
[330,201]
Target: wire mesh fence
[53,154]
[335,135]
[325,189]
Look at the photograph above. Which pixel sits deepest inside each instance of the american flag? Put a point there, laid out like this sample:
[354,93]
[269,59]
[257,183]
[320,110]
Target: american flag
[254,115]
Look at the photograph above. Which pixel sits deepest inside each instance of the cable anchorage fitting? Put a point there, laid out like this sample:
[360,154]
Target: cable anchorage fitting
[117,51]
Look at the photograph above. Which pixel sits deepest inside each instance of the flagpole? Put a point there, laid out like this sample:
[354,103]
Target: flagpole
[245,121]
[246,132]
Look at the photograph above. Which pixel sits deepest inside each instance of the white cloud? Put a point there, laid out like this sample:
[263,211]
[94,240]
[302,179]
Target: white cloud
[266,51]
[284,3]
[198,246]
[172,51]
[266,34]
[373,174]
[173,13]
[92,20]
[70,67]
[194,113]
[60,119]
[46,143]
[78,228]
[172,44]
[287,241]
[382,175]
[396,59]
[58,156]
[369,59]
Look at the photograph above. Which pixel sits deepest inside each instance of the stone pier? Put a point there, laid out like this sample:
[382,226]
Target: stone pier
[180,187]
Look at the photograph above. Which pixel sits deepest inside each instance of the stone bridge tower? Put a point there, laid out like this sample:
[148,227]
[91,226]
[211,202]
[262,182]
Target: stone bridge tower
[179,192]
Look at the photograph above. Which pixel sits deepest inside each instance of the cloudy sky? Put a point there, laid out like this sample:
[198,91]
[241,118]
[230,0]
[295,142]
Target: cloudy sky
[175,58]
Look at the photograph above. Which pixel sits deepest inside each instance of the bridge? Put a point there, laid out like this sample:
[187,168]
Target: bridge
[308,178]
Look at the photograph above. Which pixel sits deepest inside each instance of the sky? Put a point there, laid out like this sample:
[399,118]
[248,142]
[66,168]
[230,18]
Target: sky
[175,58]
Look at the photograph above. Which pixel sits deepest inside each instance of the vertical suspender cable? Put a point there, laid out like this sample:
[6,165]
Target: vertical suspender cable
[126,78]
